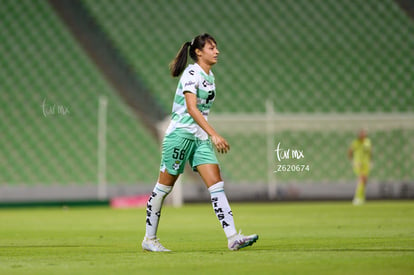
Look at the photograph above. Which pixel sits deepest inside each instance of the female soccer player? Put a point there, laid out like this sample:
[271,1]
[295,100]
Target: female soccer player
[360,152]
[189,137]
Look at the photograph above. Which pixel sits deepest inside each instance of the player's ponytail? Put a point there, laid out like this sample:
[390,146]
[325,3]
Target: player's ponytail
[177,66]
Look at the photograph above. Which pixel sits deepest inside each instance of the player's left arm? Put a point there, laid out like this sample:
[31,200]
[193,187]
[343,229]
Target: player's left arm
[191,102]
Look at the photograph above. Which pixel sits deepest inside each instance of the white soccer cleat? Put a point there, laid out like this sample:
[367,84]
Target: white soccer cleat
[358,201]
[239,241]
[153,245]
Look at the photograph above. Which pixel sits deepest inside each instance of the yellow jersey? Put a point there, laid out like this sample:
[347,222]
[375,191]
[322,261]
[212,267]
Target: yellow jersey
[361,150]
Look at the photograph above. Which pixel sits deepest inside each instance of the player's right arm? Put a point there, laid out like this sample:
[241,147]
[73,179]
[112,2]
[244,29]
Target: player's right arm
[351,150]
[350,153]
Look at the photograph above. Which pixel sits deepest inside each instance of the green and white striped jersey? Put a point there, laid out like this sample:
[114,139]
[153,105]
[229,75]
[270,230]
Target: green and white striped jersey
[196,81]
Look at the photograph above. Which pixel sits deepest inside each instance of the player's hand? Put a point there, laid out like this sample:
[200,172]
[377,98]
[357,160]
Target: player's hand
[221,144]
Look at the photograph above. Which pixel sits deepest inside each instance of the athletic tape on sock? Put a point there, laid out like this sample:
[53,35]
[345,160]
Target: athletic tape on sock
[163,188]
[218,187]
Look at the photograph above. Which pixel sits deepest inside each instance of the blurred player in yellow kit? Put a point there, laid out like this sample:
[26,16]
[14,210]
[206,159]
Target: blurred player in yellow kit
[360,152]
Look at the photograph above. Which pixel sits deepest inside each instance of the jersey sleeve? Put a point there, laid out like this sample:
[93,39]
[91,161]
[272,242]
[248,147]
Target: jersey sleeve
[189,81]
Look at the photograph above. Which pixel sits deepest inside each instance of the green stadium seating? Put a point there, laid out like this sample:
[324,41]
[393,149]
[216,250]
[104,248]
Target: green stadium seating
[308,56]
[322,56]
[42,66]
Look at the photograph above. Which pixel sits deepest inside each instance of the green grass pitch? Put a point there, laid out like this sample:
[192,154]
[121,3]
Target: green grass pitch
[294,238]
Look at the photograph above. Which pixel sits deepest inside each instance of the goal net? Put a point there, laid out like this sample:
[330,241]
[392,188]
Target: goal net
[275,148]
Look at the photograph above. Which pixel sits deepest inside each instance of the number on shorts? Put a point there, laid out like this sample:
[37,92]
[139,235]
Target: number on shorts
[178,154]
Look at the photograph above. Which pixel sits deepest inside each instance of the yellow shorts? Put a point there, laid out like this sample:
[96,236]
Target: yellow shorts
[361,168]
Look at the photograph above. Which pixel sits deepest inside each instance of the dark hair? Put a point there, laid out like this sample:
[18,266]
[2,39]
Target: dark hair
[179,63]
